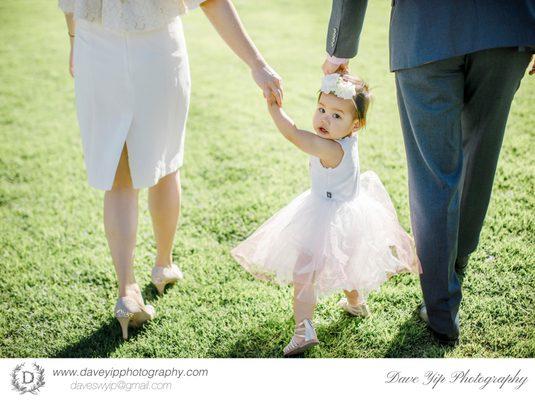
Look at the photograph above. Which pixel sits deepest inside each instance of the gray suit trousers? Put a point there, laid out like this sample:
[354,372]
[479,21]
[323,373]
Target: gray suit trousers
[453,115]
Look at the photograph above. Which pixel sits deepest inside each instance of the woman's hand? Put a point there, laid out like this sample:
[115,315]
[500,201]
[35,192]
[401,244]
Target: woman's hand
[269,82]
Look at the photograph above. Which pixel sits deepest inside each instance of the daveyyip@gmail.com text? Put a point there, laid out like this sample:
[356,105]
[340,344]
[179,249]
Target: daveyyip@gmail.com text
[434,378]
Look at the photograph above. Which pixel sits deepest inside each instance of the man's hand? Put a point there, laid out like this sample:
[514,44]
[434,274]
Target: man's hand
[330,68]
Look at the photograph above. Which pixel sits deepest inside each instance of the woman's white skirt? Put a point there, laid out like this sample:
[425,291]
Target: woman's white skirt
[131,87]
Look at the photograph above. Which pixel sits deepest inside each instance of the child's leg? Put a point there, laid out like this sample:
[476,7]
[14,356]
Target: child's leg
[304,300]
[304,335]
[355,304]
[304,303]
[353,298]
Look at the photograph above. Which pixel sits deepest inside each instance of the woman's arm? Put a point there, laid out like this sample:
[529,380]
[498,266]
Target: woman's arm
[69,19]
[223,16]
[328,151]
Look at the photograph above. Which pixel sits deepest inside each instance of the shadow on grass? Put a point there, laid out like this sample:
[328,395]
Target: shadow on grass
[268,340]
[263,341]
[413,340]
[103,342]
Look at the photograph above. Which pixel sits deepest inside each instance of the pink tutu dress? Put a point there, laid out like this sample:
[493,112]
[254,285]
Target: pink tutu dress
[343,233]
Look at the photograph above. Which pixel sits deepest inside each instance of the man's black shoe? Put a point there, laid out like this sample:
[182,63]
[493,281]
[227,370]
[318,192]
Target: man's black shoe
[439,337]
[461,263]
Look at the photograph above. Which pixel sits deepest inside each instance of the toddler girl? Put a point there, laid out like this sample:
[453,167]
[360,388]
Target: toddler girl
[343,233]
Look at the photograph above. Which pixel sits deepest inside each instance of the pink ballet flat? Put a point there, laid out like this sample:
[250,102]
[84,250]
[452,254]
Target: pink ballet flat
[361,310]
[304,338]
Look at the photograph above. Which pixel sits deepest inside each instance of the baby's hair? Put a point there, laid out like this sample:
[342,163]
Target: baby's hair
[362,98]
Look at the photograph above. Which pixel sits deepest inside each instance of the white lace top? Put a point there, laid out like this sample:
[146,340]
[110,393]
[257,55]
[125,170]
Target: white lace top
[128,15]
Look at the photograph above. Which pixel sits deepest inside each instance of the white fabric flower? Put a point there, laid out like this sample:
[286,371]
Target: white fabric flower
[345,90]
[328,84]
[335,84]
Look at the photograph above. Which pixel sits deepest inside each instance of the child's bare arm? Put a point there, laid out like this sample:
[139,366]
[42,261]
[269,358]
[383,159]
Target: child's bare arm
[328,151]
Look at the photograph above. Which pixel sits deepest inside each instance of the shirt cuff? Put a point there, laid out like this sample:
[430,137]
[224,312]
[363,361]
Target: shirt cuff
[337,61]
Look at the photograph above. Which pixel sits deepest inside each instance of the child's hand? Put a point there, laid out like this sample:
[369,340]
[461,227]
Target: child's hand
[271,100]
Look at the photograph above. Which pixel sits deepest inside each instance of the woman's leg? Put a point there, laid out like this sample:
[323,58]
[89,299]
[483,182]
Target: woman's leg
[120,224]
[164,206]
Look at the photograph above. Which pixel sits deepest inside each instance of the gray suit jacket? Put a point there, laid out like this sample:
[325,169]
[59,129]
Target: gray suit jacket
[423,31]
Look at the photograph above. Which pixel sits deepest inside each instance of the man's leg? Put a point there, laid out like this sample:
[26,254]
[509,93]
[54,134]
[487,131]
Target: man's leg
[430,101]
[492,78]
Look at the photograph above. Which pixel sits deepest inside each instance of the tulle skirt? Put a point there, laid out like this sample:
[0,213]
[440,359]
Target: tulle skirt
[324,246]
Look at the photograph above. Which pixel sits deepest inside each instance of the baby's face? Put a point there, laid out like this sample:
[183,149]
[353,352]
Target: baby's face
[334,117]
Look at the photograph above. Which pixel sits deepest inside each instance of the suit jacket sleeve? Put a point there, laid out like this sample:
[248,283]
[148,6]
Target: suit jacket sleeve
[345,25]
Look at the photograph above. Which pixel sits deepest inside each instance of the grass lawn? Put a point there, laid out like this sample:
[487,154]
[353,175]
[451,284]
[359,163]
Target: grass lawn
[57,283]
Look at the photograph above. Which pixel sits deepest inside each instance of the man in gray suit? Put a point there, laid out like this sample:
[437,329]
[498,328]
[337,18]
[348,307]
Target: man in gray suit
[457,65]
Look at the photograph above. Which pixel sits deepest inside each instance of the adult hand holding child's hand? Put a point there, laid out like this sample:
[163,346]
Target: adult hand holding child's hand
[269,81]
[272,100]
[333,65]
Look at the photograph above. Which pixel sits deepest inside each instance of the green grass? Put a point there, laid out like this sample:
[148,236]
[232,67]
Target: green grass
[57,284]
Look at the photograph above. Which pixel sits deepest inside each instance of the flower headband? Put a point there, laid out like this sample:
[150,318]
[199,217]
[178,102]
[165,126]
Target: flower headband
[335,84]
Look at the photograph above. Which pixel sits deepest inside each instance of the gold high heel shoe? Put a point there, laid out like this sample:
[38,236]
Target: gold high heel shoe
[129,312]
[304,338]
[163,275]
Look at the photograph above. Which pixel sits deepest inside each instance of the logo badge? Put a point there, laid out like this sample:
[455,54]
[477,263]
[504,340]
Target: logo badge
[28,380]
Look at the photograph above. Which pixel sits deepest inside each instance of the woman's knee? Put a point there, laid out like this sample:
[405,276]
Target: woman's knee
[170,181]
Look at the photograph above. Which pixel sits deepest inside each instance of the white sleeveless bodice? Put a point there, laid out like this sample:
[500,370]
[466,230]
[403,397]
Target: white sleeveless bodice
[342,182]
